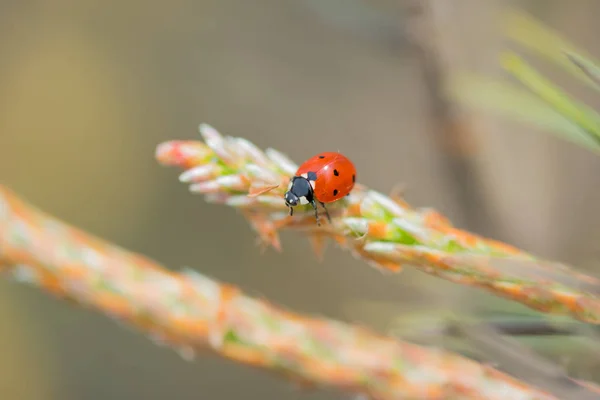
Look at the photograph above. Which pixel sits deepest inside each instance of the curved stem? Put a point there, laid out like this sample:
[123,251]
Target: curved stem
[192,312]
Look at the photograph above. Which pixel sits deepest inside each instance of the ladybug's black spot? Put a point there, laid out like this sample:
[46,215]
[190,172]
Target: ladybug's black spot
[353,178]
[311,176]
[336,173]
[321,156]
[335,192]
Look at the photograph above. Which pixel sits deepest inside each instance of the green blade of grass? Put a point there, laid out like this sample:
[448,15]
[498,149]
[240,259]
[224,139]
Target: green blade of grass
[534,36]
[579,113]
[519,104]
[587,67]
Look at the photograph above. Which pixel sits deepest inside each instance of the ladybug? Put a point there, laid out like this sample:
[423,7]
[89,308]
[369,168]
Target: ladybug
[326,177]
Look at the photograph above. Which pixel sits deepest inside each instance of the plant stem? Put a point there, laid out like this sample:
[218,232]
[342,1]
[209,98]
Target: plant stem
[192,312]
[382,230]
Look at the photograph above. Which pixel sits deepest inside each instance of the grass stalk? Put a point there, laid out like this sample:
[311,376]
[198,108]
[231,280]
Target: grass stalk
[384,231]
[193,313]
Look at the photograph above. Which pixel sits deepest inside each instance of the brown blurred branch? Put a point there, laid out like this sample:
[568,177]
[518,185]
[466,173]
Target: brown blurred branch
[193,312]
[523,361]
[452,131]
[513,328]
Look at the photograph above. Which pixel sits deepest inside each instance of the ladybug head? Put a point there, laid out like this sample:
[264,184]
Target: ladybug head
[299,192]
[291,200]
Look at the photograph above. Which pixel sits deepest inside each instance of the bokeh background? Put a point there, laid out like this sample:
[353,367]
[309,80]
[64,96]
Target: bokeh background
[88,88]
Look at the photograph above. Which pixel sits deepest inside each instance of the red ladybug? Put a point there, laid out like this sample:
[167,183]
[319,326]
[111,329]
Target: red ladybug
[326,177]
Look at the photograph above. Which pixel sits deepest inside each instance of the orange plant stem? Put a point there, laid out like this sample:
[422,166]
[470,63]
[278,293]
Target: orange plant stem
[193,312]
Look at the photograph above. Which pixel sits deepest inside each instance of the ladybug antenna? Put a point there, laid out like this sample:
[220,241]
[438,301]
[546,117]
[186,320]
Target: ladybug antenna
[257,190]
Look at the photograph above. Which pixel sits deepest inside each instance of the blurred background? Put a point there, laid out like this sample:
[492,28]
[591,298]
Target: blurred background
[88,88]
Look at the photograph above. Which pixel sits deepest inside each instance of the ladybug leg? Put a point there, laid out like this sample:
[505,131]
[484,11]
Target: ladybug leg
[314,204]
[326,212]
[291,211]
